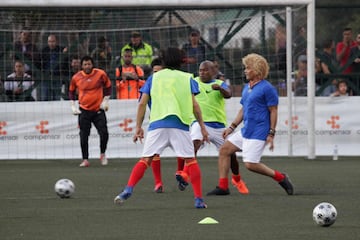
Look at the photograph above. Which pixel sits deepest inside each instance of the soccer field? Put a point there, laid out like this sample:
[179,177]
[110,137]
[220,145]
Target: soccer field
[30,209]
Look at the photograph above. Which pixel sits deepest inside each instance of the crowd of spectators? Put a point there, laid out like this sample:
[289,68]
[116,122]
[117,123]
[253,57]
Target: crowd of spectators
[334,63]
[44,74]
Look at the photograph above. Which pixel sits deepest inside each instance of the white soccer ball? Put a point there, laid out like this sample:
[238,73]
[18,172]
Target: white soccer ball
[324,214]
[64,188]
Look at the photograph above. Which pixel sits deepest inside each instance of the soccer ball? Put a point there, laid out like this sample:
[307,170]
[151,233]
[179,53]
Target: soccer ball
[64,188]
[324,214]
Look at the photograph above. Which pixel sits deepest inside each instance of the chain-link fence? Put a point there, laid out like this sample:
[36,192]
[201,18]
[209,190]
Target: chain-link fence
[227,35]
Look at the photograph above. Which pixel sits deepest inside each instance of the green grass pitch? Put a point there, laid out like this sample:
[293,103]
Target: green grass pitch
[30,209]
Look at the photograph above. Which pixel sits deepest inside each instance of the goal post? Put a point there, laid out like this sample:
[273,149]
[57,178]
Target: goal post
[153,3]
[286,5]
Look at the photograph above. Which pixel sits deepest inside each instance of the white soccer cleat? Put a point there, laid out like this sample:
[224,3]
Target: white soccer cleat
[103,160]
[84,163]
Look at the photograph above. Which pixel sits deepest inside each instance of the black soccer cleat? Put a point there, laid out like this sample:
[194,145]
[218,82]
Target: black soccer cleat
[218,191]
[287,185]
[181,178]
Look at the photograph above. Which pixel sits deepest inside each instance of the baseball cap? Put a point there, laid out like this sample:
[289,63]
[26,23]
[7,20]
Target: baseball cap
[302,58]
[194,32]
[102,39]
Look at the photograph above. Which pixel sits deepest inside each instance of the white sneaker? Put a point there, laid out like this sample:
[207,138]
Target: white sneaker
[84,163]
[103,159]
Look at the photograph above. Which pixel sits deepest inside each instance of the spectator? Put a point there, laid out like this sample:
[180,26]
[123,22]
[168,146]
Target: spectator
[327,58]
[3,97]
[142,52]
[195,52]
[75,66]
[326,64]
[219,75]
[129,77]
[19,85]
[26,51]
[355,55]
[53,67]
[102,54]
[299,44]
[300,77]
[343,50]
[342,89]
[280,47]
[78,44]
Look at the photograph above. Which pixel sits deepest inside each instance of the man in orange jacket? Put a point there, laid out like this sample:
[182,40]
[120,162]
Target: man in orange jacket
[129,78]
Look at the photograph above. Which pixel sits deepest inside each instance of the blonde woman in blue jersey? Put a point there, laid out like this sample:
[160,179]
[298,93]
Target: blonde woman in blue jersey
[259,116]
[211,99]
[171,94]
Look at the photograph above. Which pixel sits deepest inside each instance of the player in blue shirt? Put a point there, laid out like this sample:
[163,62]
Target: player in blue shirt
[259,116]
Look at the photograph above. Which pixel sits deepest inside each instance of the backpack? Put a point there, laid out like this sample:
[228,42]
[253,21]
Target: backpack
[120,72]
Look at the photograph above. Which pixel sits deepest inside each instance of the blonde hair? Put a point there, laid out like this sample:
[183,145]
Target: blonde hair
[258,64]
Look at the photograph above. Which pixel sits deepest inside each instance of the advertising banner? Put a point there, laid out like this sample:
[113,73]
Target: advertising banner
[48,130]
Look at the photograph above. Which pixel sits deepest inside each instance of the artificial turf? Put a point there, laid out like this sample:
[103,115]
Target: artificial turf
[30,209]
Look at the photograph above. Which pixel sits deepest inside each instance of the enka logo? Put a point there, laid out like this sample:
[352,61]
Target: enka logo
[41,127]
[293,122]
[332,122]
[125,125]
[2,125]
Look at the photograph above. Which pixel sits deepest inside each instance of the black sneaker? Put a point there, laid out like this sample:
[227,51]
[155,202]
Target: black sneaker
[218,191]
[181,178]
[287,185]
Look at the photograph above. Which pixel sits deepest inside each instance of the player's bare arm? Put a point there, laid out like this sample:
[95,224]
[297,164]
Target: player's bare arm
[198,116]
[273,120]
[225,92]
[139,131]
[235,123]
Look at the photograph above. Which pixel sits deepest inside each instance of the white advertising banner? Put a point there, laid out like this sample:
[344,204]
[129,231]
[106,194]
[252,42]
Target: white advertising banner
[48,130]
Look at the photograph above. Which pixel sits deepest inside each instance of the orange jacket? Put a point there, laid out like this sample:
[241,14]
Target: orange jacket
[126,87]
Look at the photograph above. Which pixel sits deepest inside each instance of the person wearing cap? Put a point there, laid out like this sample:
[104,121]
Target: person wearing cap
[102,54]
[195,52]
[142,52]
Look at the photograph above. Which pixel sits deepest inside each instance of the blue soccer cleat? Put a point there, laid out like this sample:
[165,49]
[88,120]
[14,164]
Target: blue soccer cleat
[123,196]
[199,203]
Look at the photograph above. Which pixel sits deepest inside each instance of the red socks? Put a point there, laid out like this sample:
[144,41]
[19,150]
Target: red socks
[278,176]
[156,169]
[193,170]
[236,177]
[180,163]
[137,172]
[224,183]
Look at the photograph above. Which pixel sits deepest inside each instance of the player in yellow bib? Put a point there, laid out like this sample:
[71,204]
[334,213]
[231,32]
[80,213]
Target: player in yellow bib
[170,94]
[211,99]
